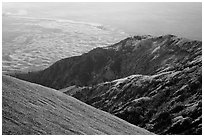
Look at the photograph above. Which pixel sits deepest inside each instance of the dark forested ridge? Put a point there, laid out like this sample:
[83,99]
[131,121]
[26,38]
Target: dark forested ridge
[167,103]
[152,82]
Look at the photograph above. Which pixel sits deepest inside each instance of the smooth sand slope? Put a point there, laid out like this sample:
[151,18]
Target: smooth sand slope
[29,108]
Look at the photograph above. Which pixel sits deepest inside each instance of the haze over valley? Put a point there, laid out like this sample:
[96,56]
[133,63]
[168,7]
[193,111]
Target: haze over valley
[35,43]
[35,35]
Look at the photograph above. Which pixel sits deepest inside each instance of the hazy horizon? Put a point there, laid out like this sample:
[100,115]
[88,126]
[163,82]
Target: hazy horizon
[181,19]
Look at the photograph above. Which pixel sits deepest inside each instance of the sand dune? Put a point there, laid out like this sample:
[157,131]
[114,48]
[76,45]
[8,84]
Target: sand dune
[29,108]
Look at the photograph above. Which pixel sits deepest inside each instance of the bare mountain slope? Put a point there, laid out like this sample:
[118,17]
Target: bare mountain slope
[33,109]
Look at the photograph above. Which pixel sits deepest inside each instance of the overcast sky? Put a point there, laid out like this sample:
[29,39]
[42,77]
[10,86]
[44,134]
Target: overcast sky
[182,19]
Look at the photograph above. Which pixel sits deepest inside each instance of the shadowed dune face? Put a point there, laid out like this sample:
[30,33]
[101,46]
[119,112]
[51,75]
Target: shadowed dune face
[33,109]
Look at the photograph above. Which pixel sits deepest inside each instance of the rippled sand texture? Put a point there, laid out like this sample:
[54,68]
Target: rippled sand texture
[35,43]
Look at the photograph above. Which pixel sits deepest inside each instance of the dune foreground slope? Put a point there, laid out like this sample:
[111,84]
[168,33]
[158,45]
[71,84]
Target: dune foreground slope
[29,108]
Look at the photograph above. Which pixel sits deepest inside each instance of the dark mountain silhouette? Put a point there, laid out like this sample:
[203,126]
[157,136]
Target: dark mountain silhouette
[135,55]
[152,82]
[29,108]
